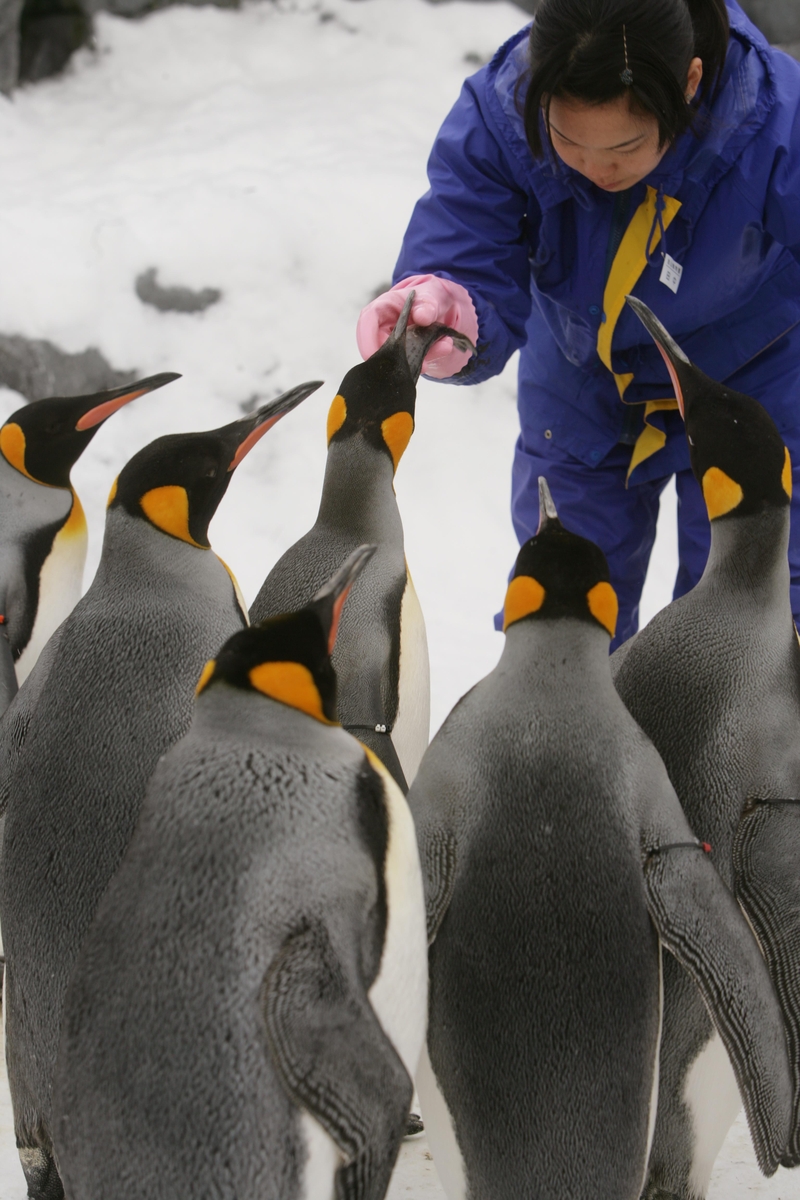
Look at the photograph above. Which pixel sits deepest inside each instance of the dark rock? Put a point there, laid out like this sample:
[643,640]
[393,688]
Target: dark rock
[50,31]
[37,369]
[10,12]
[173,299]
[779,20]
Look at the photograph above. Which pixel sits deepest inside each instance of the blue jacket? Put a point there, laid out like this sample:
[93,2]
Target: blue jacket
[529,240]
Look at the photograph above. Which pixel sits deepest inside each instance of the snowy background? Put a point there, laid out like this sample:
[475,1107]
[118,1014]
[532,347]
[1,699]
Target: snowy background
[274,153]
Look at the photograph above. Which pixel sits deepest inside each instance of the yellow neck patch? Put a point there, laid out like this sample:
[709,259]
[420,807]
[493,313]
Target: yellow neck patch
[786,473]
[205,675]
[12,447]
[75,524]
[722,494]
[291,683]
[604,606]
[337,415]
[112,493]
[525,595]
[168,509]
[397,431]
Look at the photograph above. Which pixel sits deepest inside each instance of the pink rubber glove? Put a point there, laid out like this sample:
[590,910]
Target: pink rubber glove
[435,300]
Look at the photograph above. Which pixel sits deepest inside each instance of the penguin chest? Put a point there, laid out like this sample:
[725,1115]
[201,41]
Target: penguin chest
[411,729]
[60,582]
[399,994]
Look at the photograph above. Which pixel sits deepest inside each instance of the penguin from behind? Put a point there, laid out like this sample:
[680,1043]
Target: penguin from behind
[557,864]
[113,689]
[381,655]
[714,681]
[43,535]
[248,1007]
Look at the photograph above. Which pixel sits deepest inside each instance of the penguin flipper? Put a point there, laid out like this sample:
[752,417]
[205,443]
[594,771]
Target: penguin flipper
[767,885]
[438,859]
[14,722]
[335,1060]
[699,921]
[8,675]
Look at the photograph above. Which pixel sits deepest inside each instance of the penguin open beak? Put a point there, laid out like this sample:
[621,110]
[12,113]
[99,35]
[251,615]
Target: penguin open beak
[251,429]
[333,594]
[101,406]
[668,347]
[547,508]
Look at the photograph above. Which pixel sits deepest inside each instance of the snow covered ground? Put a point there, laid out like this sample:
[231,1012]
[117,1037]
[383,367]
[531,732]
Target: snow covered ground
[273,152]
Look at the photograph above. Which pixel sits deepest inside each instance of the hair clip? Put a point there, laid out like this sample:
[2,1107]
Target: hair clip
[627,75]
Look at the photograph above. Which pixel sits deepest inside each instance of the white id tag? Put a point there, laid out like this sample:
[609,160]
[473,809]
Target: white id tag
[671,273]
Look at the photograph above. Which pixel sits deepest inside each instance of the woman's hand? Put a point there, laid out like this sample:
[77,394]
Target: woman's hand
[435,300]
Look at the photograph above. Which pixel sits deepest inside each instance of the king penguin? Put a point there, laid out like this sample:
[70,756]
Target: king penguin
[42,527]
[714,680]
[381,655]
[248,1007]
[112,690]
[557,863]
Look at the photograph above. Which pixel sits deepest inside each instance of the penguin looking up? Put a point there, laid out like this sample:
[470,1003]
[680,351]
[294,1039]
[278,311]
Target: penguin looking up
[557,862]
[248,1007]
[42,527]
[381,655]
[113,689]
[714,680]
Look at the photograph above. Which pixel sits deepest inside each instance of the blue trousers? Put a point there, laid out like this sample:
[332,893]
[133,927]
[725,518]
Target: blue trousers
[595,503]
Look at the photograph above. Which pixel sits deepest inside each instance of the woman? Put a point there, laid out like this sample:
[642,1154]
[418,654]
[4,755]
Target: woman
[645,146]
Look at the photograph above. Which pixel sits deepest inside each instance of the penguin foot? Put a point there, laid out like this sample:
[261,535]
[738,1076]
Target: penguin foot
[414,1126]
[41,1176]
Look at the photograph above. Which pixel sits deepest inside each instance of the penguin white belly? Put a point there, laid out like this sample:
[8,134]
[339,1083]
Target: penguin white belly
[440,1131]
[399,995]
[60,584]
[712,1098]
[323,1160]
[651,1115]
[412,728]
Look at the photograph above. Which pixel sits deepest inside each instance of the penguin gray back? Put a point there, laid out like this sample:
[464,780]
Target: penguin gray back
[233,1026]
[556,858]
[82,737]
[381,654]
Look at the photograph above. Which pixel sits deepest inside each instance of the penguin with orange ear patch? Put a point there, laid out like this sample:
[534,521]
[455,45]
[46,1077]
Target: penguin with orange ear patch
[381,655]
[248,1007]
[557,864]
[714,680]
[112,691]
[42,526]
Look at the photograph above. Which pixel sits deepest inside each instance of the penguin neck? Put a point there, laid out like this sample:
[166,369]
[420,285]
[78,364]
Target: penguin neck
[358,491]
[750,555]
[556,649]
[135,553]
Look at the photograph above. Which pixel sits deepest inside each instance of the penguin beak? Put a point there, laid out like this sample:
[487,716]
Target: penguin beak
[668,347]
[417,340]
[337,589]
[251,429]
[547,508]
[101,406]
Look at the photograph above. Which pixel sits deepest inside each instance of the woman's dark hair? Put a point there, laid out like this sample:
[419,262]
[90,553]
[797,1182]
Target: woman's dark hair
[578,49]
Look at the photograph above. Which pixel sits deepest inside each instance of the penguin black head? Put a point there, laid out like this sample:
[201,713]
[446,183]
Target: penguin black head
[738,456]
[177,482]
[288,658]
[377,397]
[559,574]
[46,438]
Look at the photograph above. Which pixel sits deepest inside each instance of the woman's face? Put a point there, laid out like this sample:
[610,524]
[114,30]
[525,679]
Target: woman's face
[612,144]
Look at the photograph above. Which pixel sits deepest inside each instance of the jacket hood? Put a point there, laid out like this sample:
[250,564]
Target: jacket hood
[742,102]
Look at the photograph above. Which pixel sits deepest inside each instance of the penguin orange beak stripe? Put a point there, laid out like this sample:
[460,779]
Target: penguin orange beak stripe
[254,436]
[102,411]
[673,374]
